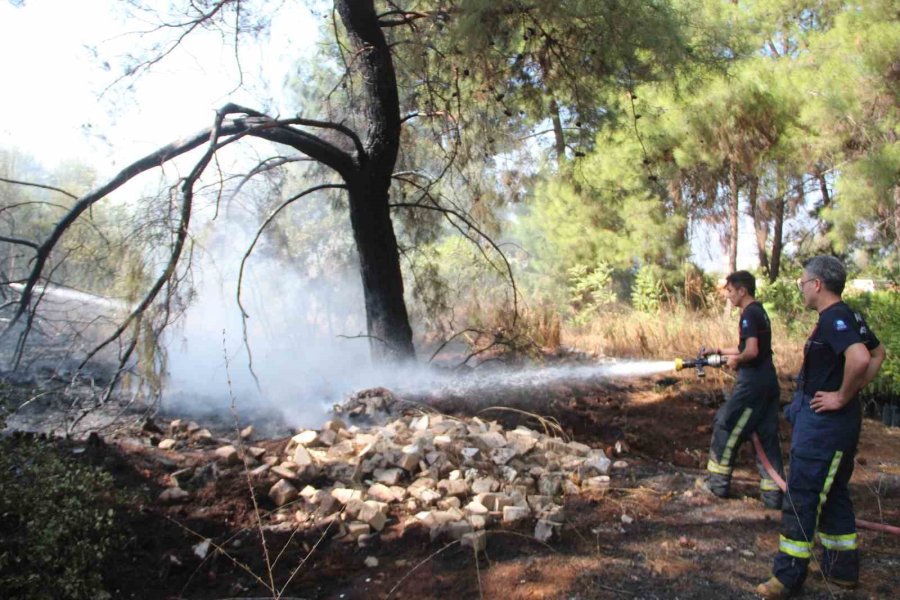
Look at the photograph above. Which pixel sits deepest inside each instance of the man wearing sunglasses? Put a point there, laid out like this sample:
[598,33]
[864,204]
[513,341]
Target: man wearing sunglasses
[840,357]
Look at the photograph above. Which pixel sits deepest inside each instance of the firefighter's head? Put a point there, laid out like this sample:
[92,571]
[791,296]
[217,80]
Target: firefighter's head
[822,281]
[740,287]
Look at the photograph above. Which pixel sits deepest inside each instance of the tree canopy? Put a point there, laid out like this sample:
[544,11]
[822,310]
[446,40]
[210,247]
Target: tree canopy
[573,145]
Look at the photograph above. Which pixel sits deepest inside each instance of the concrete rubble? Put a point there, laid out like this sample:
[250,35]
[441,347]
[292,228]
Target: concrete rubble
[454,476]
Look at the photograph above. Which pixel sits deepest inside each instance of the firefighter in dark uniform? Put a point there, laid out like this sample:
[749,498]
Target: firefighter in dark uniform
[841,356]
[753,405]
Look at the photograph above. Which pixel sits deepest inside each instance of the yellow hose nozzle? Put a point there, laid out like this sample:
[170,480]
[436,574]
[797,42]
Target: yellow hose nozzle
[709,360]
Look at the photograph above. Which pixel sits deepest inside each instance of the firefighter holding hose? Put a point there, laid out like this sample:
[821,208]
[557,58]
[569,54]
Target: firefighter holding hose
[753,404]
[840,357]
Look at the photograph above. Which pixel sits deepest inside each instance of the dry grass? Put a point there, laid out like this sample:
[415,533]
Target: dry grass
[678,332]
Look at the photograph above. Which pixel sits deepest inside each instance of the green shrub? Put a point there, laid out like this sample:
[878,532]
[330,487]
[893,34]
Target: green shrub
[589,291]
[882,313]
[56,523]
[782,298]
[647,292]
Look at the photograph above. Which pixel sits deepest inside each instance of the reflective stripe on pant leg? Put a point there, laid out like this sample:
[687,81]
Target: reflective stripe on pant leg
[717,468]
[823,495]
[733,438]
[837,531]
[799,518]
[839,543]
[768,485]
[795,548]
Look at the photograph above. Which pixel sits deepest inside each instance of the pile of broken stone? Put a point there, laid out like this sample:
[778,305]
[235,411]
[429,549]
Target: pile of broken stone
[457,477]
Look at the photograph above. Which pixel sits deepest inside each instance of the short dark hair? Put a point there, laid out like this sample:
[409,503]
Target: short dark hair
[742,279]
[829,270]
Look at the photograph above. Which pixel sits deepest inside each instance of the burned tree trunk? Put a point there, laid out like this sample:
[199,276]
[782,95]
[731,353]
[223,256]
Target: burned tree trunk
[777,239]
[779,208]
[386,315]
[369,185]
[826,225]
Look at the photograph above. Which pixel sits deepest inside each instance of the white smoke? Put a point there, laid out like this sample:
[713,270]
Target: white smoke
[305,331]
[306,353]
[294,332]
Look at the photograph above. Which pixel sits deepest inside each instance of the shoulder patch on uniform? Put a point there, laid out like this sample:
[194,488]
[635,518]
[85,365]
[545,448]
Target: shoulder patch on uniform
[840,325]
[744,323]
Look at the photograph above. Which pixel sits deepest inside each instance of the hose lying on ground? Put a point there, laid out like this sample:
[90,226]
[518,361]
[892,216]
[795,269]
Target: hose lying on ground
[781,484]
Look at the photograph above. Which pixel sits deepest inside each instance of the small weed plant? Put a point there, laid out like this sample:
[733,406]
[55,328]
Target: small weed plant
[57,522]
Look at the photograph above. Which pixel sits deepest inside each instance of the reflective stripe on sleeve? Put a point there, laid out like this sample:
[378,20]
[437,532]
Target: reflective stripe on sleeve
[795,548]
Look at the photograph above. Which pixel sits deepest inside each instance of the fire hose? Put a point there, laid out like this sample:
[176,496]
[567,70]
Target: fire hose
[717,360]
[763,459]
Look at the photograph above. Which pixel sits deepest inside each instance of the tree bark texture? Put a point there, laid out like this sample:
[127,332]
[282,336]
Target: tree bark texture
[559,137]
[733,217]
[778,210]
[760,225]
[369,186]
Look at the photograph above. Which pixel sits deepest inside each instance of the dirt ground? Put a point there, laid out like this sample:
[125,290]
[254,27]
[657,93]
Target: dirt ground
[651,535]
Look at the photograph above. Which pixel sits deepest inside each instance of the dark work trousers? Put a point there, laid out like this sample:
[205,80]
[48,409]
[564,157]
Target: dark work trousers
[818,502]
[823,447]
[751,407]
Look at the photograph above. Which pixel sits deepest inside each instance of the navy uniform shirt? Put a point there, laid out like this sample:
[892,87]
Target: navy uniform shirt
[820,435]
[755,323]
[839,327]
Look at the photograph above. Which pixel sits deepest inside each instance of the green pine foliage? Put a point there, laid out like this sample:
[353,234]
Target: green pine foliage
[882,312]
[782,297]
[590,291]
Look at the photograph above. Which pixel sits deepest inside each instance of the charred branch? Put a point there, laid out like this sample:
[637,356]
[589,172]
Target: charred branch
[256,124]
[38,185]
[19,242]
[246,257]
[180,238]
[450,339]
[357,144]
[448,213]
